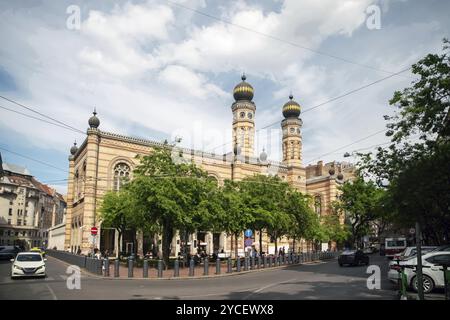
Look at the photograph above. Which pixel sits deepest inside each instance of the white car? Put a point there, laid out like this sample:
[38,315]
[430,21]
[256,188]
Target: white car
[28,264]
[408,253]
[411,251]
[433,275]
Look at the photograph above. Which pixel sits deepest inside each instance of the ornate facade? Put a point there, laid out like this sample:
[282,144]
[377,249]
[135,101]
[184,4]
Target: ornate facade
[104,159]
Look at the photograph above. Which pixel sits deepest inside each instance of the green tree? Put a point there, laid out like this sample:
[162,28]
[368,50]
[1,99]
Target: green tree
[172,196]
[298,206]
[414,167]
[234,217]
[360,201]
[117,212]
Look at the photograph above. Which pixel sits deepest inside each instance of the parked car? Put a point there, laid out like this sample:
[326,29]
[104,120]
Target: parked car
[445,247]
[28,264]
[412,251]
[433,275]
[353,258]
[9,252]
[394,246]
[408,253]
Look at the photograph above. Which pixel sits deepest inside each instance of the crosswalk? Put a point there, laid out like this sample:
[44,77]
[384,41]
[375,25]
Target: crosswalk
[8,280]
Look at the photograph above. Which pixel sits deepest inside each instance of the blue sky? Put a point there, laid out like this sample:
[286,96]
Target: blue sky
[155,70]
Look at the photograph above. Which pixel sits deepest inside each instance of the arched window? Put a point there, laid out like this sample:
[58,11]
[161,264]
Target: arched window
[121,175]
[318,205]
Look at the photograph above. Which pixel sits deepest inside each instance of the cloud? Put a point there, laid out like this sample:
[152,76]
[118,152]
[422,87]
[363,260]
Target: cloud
[152,68]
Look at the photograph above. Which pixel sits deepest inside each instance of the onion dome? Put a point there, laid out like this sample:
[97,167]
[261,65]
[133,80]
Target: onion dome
[291,109]
[263,156]
[340,176]
[94,122]
[243,90]
[74,149]
[331,171]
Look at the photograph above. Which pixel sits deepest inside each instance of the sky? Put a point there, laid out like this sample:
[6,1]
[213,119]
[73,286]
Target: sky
[159,69]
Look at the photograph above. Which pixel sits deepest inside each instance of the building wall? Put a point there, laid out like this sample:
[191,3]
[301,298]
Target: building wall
[56,236]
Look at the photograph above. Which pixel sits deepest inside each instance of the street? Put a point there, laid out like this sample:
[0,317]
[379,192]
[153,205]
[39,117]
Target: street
[321,280]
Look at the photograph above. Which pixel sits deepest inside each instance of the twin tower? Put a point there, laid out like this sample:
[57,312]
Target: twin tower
[244,125]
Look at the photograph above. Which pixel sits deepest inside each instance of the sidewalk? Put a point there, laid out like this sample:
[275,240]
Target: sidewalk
[198,270]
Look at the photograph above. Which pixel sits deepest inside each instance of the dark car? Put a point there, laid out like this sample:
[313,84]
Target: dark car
[353,258]
[9,252]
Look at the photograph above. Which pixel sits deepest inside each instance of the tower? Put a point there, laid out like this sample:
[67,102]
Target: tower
[243,118]
[292,139]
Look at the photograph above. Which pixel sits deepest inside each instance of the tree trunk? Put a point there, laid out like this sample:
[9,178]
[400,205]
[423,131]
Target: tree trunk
[276,244]
[236,252]
[293,245]
[118,244]
[260,241]
[166,241]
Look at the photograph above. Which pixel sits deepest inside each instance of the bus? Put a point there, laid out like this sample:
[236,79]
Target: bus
[394,245]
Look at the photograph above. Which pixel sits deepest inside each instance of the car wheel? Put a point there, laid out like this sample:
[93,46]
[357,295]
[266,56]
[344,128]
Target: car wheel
[428,284]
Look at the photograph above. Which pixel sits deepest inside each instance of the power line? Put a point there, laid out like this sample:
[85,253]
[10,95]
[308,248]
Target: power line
[278,39]
[41,114]
[35,160]
[36,118]
[329,101]
[347,145]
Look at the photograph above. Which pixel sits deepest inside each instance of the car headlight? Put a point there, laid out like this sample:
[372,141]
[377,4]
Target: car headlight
[40,267]
[17,267]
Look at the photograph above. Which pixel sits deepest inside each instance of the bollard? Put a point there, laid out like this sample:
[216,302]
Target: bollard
[218,266]
[270,261]
[206,267]
[265,261]
[259,262]
[229,267]
[246,263]
[160,268]
[116,268]
[176,268]
[130,267]
[191,267]
[238,264]
[106,267]
[252,263]
[145,269]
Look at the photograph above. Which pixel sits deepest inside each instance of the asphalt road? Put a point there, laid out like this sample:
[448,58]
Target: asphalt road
[323,280]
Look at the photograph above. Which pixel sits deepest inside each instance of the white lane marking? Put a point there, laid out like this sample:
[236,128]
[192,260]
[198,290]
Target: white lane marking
[51,292]
[210,294]
[266,287]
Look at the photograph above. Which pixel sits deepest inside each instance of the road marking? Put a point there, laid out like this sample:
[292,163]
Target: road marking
[210,294]
[51,292]
[266,287]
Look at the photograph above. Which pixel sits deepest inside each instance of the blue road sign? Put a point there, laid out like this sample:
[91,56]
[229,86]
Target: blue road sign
[248,233]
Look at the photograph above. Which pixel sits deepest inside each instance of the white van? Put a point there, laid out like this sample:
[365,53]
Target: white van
[394,246]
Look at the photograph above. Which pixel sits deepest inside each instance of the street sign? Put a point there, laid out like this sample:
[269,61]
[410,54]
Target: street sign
[94,231]
[248,233]
[412,231]
[248,242]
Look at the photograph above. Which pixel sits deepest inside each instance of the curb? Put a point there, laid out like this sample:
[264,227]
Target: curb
[222,275]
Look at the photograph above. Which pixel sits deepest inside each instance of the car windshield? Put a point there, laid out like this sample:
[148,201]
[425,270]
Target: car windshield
[396,243]
[29,257]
